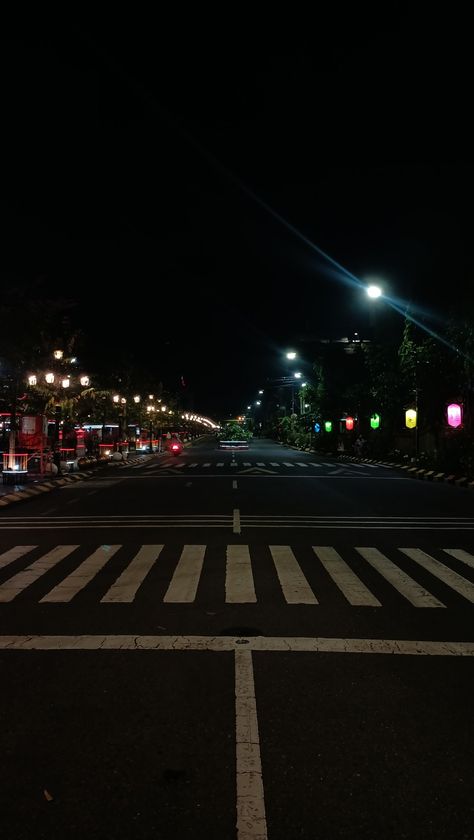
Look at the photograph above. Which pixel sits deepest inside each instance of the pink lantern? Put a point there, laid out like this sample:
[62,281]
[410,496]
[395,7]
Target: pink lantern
[454,415]
[349,423]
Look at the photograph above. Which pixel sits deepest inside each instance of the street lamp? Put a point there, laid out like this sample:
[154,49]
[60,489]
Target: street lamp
[291,355]
[374,291]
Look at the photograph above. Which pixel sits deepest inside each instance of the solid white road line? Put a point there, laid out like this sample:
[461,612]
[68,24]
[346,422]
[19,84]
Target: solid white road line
[295,587]
[251,821]
[125,587]
[452,579]
[457,553]
[276,644]
[80,577]
[184,583]
[239,585]
[403,583]
[236,521]
[19,582]
[13,554]
[350,585]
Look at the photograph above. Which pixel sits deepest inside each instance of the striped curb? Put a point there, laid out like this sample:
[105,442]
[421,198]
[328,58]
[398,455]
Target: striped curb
[417,472]
[44,487]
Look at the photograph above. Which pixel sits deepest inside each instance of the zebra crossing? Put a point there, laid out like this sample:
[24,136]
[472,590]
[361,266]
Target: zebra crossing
[222,464]
[311,576]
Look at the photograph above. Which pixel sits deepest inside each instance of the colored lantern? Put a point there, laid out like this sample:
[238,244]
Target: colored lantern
[375,421]
[410,418]
[328,426]
[317,427]
[454,415]
[349,423]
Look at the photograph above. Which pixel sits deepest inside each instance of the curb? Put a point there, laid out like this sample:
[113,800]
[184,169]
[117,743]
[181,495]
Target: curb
[44,487]
[417,472]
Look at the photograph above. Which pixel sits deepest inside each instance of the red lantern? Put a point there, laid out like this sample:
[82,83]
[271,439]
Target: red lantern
[454,415]
[349,423]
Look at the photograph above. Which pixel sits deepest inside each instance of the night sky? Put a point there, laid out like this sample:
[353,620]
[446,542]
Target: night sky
[142,156]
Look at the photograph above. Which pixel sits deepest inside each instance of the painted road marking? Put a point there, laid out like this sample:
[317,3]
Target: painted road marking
[126,586]
[234,484]
[251,821]
[184,583]
[239,585]
[287,464]
[457,553]
[13,553]
[452,579]
[301,464]
[80,577]
[276,644]
[295,587]
[400,580]
[351,587]
[20,581]
[236,521]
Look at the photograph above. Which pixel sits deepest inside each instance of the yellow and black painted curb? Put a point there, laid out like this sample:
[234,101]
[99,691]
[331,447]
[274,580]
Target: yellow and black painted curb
[44,487]
[417,472]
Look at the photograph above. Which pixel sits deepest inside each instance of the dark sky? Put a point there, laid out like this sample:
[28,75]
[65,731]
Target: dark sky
[134,149]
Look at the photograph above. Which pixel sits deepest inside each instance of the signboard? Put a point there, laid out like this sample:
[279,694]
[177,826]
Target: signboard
[32,434]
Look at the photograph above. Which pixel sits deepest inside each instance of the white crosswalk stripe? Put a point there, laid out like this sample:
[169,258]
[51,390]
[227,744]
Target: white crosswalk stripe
[457,553]
[127,584]
[12,587]
[403,583]
[295,576]
[80,577]
[13,553]
[452,579]
[350,585]
[239,585]
[156,467]
[294,585]
[184,583]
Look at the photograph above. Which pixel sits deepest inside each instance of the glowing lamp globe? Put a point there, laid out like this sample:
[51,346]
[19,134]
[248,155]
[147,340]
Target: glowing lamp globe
[328,425]
[410,418]
[349,423]
[375,421]
[454,415]
[317,428]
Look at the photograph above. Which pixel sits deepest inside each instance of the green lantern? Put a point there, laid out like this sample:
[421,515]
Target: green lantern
[328,425]
[375,421]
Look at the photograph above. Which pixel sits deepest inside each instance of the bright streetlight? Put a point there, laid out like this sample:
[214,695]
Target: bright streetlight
[297,375]
[291,355]
[374,291]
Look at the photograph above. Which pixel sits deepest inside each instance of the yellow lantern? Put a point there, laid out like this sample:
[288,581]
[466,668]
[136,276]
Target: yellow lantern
[410,418]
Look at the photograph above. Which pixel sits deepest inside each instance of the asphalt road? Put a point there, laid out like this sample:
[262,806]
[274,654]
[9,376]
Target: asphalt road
[255,644]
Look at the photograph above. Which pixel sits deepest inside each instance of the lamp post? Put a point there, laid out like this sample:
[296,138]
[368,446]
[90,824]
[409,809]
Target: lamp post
[59,383]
